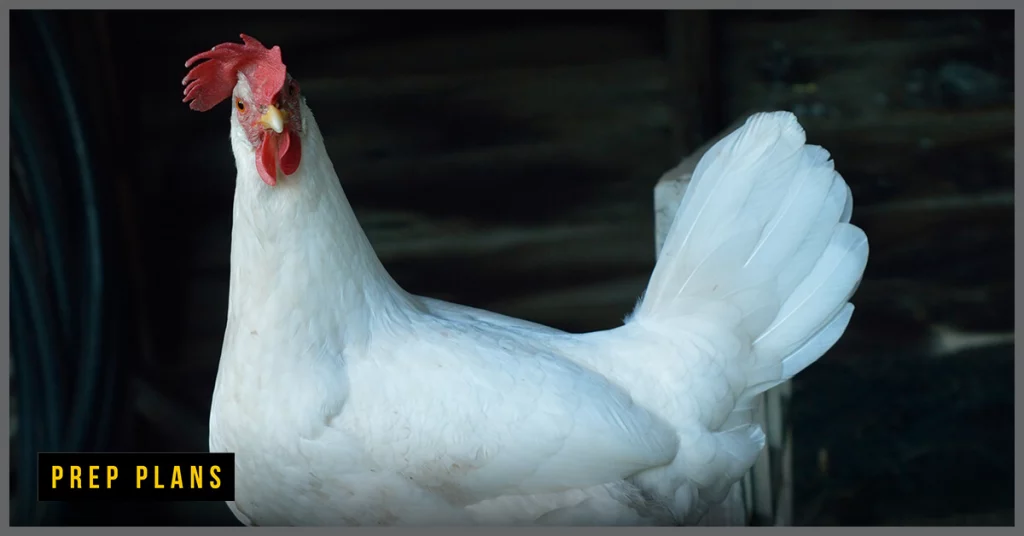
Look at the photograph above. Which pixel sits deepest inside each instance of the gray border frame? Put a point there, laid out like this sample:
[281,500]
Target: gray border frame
[465,4]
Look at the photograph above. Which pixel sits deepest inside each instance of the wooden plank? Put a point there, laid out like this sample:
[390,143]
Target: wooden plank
[905,313]
[583,277]
[806,28]
[571,296]
[747,485]
[468,250]
[572,167]
[909,108]
[568,42]
[693,79]
[589,226]
[732,512]
[389,75]
[498,120]
[512,251]
[925,128]
[890,171]
[764,481]
[488,106]
[998,517]
[473,120]
[578,308]
[784,504]
[530,91]
[947,243]
[935,264]
[868,64]
[347,42]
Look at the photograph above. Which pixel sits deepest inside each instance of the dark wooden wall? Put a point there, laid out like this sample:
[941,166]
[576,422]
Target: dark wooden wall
[910,419]
[507,160]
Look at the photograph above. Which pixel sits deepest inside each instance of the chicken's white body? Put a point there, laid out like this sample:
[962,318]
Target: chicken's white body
[348,401]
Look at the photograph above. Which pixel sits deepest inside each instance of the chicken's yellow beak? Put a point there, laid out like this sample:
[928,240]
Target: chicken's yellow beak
[274,119]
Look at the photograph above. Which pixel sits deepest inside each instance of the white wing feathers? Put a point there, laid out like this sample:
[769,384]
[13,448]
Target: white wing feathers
[513,417]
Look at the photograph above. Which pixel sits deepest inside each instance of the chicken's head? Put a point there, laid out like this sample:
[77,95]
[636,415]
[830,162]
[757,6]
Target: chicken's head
[264,96]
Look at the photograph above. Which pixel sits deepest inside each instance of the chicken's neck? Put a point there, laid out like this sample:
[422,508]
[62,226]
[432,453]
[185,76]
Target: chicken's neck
[298,254]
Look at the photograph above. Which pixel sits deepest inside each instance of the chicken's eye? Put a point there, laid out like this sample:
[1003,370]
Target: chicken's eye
[240,105]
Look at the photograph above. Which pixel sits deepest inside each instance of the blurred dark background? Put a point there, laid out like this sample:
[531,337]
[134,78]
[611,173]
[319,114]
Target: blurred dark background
[507,160]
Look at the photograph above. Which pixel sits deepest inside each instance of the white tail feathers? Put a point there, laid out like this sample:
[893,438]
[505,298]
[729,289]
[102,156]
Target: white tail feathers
[764,231]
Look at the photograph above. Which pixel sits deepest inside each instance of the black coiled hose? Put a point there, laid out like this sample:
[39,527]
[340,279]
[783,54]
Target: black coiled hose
[66,371]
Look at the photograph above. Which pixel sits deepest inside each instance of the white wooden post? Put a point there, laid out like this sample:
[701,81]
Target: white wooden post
[765,495]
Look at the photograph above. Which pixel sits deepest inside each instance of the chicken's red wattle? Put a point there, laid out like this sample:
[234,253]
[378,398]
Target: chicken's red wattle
[283,149]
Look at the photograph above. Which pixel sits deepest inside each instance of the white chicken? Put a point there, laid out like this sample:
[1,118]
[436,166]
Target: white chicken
[348,401]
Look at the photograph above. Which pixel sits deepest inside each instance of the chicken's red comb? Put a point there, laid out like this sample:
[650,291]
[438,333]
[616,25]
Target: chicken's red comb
[212,81]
